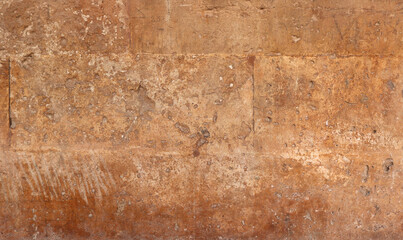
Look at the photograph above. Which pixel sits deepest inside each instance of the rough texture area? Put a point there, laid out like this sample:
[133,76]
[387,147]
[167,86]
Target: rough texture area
[201,119]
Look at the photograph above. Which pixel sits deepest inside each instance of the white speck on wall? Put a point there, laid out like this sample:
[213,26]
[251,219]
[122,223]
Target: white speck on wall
[85,17]
[295,39]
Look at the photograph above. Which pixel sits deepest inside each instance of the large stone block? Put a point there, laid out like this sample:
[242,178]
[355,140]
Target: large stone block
[271,27]
[48,27]
[323,105]
[126,194]
[191,104]
[96,194]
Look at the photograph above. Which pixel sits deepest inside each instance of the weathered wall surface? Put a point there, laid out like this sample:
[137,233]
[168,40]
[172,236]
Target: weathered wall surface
[201,119]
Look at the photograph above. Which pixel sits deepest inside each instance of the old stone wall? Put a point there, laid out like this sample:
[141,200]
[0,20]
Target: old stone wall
[201,119]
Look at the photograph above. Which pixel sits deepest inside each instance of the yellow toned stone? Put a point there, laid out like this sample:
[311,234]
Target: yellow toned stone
[276,27]
[207,119]
[193,104]
[310,105]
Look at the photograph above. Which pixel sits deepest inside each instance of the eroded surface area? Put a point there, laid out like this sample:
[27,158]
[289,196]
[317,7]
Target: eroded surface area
[205,119]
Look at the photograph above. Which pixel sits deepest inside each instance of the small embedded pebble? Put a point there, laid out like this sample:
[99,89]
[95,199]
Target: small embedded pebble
[182,127]
[205,132]
[390,85]
[215,116]
[365,174]
[218,101]
[365,191]
[269,120]
[201,142]
[387,165]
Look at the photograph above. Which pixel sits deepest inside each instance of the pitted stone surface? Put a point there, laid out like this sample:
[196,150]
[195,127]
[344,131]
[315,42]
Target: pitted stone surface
[207,119]
[163,103]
